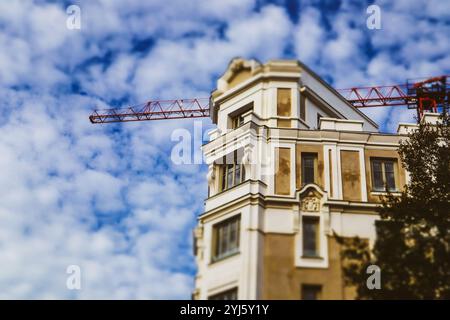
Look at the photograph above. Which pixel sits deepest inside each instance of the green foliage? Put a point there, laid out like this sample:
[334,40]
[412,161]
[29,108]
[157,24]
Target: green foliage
[412,247]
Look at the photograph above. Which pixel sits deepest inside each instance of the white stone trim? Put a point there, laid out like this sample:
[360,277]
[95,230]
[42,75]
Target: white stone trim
[321,262]
[334,179]
[340,124]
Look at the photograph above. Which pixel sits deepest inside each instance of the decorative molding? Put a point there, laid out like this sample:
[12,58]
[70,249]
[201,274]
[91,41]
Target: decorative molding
[236,65]
[310,203]
[211,175]
[247,157]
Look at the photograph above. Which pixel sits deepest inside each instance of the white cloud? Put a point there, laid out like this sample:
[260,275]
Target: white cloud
[262,35]
[15,61]
[309,36]
[58,203]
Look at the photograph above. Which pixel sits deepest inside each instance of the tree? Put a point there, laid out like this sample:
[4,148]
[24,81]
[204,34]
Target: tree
[412,246]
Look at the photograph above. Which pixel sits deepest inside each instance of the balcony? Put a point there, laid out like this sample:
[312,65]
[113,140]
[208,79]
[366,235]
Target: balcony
[235,194]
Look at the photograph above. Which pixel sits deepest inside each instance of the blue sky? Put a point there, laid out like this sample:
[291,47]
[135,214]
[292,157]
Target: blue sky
[108,198]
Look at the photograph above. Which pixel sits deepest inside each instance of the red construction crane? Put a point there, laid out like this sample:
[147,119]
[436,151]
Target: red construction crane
[424,95]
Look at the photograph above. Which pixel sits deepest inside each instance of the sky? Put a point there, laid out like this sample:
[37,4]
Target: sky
[108,198]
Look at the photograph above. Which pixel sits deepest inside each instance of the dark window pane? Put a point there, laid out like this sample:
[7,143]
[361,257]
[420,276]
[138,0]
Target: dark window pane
[237,176]
[378,183]
[310,234]
[223,234]
[217,236]
[224,177]
[227,238]
[383,175]
[221,239]
[311,292]
[390,177]
[308,163]
[233,172]
[237,121]
[226,295]
[232,236]
[230,176]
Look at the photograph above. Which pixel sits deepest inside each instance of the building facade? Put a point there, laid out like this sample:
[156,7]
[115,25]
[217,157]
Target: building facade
[290,163]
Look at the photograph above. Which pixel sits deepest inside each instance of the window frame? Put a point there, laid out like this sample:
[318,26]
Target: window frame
[237,121]
[236,118]
[219,296]
[315,287]
[317,253]
[218,229]
[314,156]
[383,162]
[230,169]
[226,169]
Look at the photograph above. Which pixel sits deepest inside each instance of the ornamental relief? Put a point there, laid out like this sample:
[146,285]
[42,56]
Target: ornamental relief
[310,203]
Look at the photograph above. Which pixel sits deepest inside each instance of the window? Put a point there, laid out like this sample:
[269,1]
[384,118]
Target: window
[226,238]
[231,174]
[237,121]
[311,292]
[237,117]
[383,174]
[309,167]
[226,295]
[310,236]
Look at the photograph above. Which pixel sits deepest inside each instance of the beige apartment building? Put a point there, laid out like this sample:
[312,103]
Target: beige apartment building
[291,162]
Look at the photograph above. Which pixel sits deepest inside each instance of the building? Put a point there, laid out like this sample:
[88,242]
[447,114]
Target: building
[290,162]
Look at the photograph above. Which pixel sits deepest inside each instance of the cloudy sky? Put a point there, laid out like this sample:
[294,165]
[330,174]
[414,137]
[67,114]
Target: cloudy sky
[108,198]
